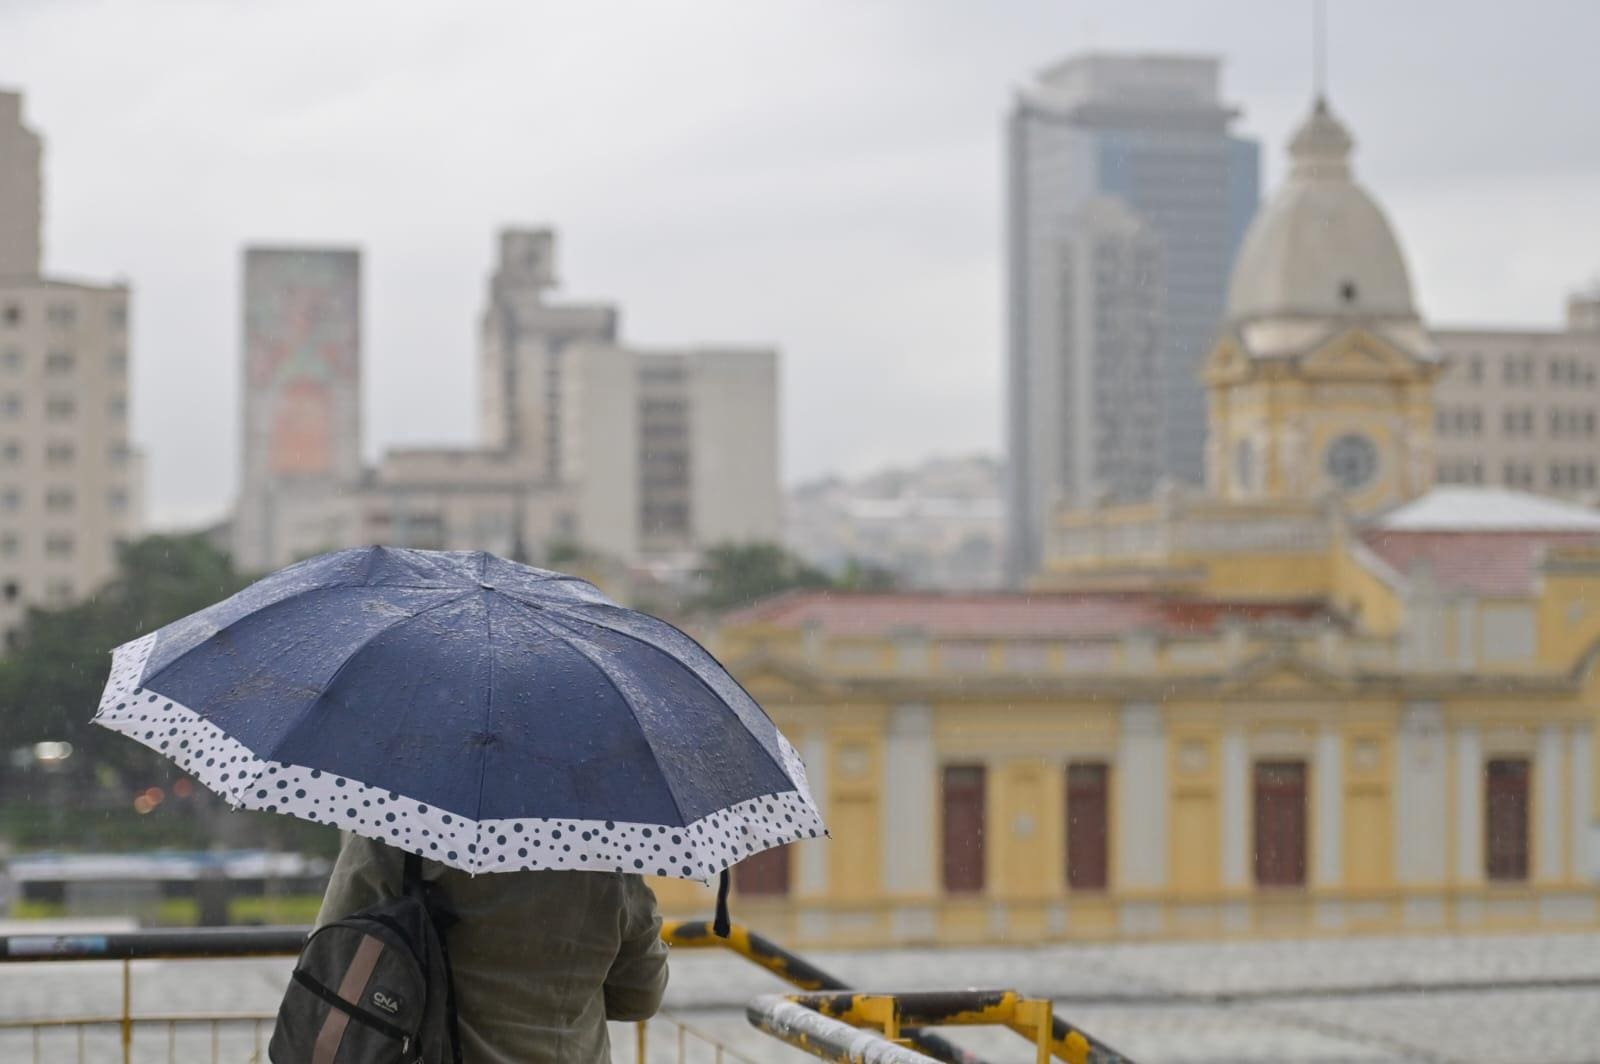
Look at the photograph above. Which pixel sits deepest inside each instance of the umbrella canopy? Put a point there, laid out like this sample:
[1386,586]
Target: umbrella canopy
[484,714]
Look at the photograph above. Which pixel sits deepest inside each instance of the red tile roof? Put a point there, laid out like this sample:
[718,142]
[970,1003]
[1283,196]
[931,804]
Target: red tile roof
[1481,563]
[995,615]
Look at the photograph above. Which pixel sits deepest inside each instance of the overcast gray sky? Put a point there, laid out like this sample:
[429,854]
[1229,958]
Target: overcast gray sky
[823,176]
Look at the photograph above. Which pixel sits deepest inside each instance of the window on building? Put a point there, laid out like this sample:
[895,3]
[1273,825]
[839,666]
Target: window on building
[58,499]
[11,406]
[60,592]
[119,454]
[59,362]
[57,454]
[1280,823]
[11,452]
[58,545]
[1505,820]
[765,873]
[1475,369]
[118,316]
[61,315]
[11,500]
[10,591]
[10,544]
[963,828]
[12,359]
[1088,825]
[117,407]
[117,499]
[60,407]
[117,362]
[12,314]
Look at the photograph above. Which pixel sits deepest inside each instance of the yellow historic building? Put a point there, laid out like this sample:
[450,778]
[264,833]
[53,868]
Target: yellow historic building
[1319,696]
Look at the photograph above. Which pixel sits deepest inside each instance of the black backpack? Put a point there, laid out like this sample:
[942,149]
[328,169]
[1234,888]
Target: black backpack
[374,988]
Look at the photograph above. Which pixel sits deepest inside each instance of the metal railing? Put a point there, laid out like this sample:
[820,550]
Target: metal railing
[831,1006]
[236,1036]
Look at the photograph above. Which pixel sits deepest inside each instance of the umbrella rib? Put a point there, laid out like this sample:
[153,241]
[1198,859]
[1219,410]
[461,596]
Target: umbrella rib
[272,755]
[777,762]
[488,708]
[534,615]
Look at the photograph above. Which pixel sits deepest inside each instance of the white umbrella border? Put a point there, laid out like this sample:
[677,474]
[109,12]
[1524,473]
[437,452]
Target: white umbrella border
[699,850]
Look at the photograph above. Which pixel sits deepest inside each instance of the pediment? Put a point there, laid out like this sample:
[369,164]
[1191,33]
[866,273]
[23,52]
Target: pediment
[1283,674]
[1360,354]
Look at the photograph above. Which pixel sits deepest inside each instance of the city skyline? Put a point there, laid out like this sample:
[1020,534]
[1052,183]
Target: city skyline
[861,173]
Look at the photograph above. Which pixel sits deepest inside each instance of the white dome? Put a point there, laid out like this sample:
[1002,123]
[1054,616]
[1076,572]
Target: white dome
[1322,247]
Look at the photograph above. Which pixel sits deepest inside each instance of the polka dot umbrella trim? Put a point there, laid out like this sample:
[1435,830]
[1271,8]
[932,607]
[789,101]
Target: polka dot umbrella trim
[483,714]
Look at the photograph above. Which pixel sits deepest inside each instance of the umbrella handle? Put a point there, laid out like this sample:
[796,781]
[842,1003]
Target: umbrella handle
[722,925]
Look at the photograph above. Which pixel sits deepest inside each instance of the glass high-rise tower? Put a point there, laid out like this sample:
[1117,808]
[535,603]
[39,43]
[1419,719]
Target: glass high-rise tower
[1127,199]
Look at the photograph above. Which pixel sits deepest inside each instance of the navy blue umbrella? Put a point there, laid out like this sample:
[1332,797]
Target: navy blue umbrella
[482,713]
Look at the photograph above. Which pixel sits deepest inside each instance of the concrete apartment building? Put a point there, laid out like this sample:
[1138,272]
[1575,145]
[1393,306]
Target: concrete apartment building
[1087,285]
[70,482]
[643,456]
[1520,408]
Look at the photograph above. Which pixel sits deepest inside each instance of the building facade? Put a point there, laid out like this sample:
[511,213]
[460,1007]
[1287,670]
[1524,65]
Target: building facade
[1321,695]
[21,191]
[1519,408]
[70,480]
[643,456]
[301,402]
[1151,134]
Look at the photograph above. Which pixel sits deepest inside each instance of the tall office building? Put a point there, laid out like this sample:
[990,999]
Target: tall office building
[1087,282]
[301,401]
[669,452]
[525,348]
[69,480]
[663,452]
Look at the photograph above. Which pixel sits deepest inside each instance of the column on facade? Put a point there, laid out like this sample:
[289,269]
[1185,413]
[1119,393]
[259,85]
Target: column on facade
[811,875]
[1236,827]
[1550,851]
[1142,798]
[911,803]
[1422,797]
[1469,805]
[1581,803]
[1327,832]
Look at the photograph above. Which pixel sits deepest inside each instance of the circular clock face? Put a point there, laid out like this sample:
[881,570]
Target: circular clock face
[1352,461]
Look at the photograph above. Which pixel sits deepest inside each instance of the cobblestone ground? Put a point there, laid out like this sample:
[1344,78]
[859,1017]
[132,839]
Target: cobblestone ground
[1324,1001]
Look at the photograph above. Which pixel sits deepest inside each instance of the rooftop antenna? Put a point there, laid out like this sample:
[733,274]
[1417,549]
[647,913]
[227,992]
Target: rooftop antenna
[1319,49]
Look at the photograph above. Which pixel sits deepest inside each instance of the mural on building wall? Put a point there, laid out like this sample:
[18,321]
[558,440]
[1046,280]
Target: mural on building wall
[302,343]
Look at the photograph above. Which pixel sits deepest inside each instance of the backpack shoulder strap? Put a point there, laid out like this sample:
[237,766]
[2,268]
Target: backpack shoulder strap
[441,917]
[413,873]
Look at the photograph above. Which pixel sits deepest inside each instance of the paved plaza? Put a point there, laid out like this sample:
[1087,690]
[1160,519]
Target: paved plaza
[1533,999]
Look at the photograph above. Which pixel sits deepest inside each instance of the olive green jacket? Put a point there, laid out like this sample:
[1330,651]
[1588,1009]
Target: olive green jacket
[541,959]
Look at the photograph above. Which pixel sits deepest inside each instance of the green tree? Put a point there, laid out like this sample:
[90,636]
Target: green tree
[54,671]
[865,576]
[737,574]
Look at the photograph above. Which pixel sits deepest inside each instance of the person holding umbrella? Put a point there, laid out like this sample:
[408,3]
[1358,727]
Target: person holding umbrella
[538,747]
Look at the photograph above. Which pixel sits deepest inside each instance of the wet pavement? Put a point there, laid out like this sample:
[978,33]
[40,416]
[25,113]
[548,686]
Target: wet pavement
[1528,998]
